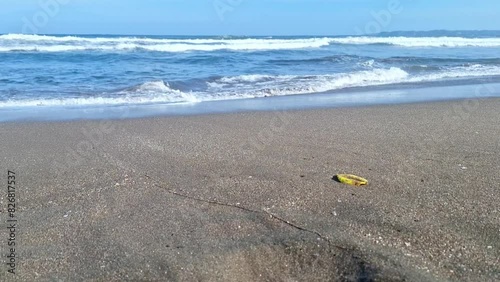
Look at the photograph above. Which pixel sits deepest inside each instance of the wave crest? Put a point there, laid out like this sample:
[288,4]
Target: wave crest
[258,85]
[43,43]
[421,41]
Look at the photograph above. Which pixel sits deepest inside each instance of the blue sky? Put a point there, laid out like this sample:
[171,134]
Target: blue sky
[244,17]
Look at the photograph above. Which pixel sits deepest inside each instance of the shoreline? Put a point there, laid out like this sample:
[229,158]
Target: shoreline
[250,195]
[348,98]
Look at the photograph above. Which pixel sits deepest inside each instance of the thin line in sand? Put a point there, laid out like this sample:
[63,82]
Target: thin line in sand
[287,222]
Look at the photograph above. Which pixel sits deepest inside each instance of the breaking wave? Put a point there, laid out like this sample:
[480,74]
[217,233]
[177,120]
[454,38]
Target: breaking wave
[41,43]
[45,43]
[153,92]
[421,41]
[256,85]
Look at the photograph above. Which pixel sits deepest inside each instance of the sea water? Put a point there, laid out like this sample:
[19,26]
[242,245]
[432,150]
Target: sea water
[88,71]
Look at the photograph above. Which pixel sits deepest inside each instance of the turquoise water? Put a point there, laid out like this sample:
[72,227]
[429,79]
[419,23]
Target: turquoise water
[64,71]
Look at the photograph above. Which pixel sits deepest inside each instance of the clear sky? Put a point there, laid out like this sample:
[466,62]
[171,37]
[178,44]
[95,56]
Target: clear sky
[244,17]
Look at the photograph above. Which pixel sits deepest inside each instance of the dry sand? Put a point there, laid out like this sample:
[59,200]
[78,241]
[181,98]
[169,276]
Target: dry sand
[250,196]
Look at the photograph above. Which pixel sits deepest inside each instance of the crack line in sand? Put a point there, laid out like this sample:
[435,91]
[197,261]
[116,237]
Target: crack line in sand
[323,237]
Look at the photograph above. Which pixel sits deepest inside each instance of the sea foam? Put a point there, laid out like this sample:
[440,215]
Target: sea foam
[421,41]
[44,43]
[41,43]
[256,85]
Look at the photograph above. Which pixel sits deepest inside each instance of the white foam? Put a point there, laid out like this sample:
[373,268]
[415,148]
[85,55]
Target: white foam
[264,85]
[158,90]
[421,41]
[38,48]
[43,43]
[368,63]
[40,43]
[259,85]
[246,78]
[472,71]
[153,92]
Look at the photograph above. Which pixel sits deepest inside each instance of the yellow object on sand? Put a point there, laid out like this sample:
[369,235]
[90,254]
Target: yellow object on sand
[352,179]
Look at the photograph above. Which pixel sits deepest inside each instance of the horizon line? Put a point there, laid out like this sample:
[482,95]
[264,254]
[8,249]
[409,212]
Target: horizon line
[267,35]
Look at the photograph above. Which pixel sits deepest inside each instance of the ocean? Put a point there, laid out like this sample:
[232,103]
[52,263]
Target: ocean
[85,71]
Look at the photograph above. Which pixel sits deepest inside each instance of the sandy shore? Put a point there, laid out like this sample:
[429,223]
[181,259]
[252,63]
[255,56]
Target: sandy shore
[250,196]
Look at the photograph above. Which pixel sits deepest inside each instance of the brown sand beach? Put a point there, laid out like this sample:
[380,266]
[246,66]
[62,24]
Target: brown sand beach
[250,196]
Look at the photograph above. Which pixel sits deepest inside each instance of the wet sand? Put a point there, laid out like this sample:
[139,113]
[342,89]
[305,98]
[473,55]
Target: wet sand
[250,196]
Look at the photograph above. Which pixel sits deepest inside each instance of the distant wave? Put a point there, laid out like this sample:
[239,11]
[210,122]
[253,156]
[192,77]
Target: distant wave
[42,43]
[257,85]
[327,59]
[421,41]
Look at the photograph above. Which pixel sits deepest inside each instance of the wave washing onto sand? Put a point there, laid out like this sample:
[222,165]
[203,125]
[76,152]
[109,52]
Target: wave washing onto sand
[473,71]
[266,85]
[257,85]
[291,84]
